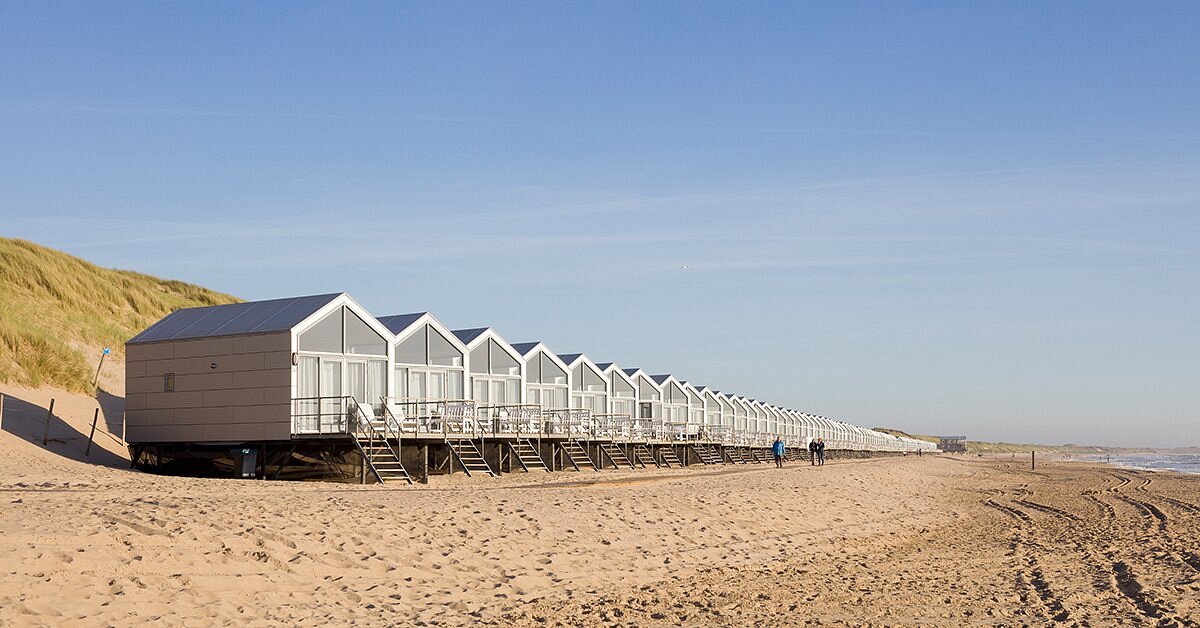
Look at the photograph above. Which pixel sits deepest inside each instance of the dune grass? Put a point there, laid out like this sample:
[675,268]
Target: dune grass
[53,306]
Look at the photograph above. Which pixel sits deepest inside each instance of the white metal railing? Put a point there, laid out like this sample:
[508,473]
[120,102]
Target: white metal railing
[340,415]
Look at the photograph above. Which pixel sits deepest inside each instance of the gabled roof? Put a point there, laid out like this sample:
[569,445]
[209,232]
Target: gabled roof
[400,322]
[604,366]
[525,347]
[235,319]
[659,379]
[468,335]
[574,359]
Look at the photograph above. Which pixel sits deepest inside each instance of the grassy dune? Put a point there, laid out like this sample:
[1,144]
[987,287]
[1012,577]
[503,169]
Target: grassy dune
[53,306]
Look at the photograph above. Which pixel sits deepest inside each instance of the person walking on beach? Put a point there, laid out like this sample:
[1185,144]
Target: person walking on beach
[820,452]
[777,449]
[812,452]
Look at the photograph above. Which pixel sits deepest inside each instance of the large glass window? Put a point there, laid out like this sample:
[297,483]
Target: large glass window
[401,380]
[479,359]
[437,361]
[417,384]
[356,381]
[441,351]
[342,331]
[331,391]
[412,350]
[620,387]
[307,377]
[324,336]
[360,338]
[500,362]
[647,389]
[551,373]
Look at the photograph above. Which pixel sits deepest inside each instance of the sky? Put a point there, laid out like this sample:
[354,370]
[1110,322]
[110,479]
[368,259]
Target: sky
[975,218]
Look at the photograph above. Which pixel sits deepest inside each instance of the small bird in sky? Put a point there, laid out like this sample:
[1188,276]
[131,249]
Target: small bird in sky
[683,267]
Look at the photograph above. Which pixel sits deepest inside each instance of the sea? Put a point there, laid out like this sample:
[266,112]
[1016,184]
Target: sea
[1180,463]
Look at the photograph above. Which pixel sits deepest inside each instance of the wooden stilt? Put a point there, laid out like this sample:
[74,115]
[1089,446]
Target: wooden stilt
[423,467]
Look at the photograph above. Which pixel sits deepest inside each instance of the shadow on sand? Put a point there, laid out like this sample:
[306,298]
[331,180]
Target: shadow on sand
[28,422]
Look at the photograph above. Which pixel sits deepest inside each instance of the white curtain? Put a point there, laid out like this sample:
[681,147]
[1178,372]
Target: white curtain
[307,388]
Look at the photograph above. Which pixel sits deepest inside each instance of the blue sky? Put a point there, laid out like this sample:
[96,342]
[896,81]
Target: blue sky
[943,217]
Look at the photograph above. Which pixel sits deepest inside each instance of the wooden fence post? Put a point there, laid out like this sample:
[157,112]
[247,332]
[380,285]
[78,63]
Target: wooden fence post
[1033,460]
[46,429]
[95,417]
[1,410]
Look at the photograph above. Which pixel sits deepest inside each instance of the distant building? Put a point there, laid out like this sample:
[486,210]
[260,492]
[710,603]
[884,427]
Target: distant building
[952,444]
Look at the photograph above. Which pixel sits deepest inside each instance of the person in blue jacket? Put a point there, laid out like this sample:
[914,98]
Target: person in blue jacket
[777,449]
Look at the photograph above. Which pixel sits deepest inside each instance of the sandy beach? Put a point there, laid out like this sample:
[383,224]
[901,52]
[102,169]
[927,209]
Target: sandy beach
[917,541]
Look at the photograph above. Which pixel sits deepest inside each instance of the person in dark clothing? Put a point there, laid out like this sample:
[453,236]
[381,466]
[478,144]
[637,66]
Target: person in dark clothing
[777,449]
[820,452]
[812,451]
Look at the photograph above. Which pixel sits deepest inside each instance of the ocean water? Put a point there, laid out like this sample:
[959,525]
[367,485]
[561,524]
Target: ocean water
[1181,463]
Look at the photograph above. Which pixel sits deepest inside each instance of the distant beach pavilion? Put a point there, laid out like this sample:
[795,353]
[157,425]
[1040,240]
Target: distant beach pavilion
[623,396]
[547,377]
[696,409]
[674,404]
[430,361]
[589,385]
[495,368]
[649,394]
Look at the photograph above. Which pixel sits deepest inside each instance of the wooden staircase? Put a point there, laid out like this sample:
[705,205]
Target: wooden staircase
[526,455]
[642,456]
[734,456]
[669,458]
[616,456]
[469,456]
[577,455]
[706,453]
[758,455]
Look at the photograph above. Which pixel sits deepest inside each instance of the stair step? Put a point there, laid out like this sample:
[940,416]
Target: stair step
[469,457]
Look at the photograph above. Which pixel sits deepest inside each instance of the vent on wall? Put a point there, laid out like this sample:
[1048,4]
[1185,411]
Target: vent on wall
[168,382]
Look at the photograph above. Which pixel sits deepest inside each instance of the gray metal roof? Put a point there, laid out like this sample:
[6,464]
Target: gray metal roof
[604,365]
[235,319]
[399,322]
[524,347]
[630,372]
[467,335]
[659,379]
[568,358]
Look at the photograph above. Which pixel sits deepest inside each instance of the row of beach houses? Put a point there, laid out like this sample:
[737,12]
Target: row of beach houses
[316,386]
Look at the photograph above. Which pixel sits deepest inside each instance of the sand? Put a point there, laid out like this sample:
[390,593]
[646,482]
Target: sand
[915,541]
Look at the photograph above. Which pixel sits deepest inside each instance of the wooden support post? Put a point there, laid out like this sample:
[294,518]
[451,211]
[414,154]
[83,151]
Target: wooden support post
[1033,460]
[1,410]
[46,429]
[95,417]
[96,381]
[423,463]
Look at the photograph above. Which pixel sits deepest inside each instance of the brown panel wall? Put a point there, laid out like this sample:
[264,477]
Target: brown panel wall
[226,389]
